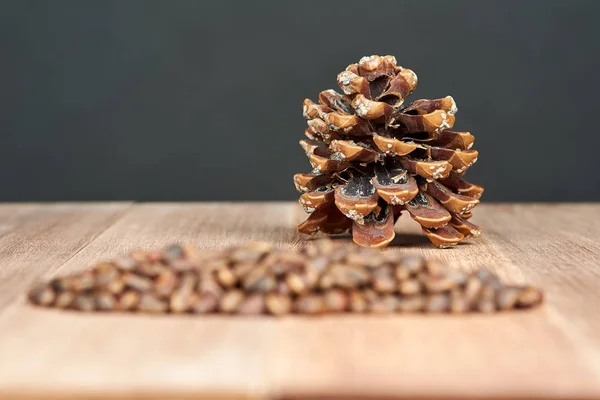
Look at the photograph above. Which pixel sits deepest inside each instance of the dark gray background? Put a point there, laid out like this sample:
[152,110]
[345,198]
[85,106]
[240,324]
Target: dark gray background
[201,100]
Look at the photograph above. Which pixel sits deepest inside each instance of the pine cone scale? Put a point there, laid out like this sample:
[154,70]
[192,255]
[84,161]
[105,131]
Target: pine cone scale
[351,151]
[428,169]
[311,200]
[356,199]
[376,230]
[310,182]
[427,212]
[432,122]
[327,164]
[455,203]
[453,140]
[372,157]
[394,185]
[327,219]
[443,237]
[393,146]
[460,160]
[335,101]
[462,187]
[465,227]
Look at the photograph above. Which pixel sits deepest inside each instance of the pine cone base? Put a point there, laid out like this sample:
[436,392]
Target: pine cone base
[373,157]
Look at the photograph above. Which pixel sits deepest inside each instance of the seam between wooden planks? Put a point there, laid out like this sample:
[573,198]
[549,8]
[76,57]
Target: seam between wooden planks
[296,214]
[111,221]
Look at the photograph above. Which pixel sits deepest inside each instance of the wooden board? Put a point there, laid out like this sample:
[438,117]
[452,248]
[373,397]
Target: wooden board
[551,352]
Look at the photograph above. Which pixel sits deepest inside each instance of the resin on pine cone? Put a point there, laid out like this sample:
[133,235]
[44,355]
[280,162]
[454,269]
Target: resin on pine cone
[374,156]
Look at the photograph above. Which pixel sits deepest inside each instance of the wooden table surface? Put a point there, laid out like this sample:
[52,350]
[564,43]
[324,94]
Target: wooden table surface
[550,352]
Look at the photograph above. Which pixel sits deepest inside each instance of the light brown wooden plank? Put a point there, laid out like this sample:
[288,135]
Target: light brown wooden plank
[513,355]
[546,353]
[559,247]
[36,239]
[13,215]
[118,354]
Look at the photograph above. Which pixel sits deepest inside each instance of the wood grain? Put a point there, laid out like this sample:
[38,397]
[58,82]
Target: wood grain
[552,352]
[35,240]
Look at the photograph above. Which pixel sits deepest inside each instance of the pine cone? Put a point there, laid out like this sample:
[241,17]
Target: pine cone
[373,157]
